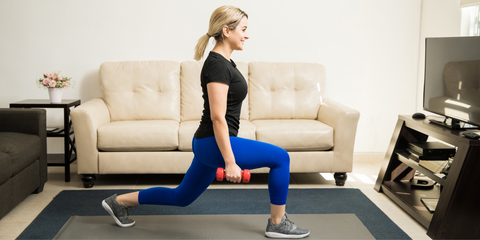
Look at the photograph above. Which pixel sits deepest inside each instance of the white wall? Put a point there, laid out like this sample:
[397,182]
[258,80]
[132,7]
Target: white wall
[370,48]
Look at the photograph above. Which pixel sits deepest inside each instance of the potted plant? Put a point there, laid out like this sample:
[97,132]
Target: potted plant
[54,82]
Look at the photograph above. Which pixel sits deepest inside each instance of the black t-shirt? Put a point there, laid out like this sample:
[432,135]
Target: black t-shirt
[218,69]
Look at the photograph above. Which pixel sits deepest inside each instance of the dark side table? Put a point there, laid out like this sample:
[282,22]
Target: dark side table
[66,133]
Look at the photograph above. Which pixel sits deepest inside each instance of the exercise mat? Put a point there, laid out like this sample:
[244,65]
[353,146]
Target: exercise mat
[228,226]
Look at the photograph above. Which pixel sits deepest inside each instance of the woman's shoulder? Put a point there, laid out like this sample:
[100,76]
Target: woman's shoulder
[214,64]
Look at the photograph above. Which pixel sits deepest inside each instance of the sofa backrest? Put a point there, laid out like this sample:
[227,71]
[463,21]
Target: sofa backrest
[285,90]
[191,90]
[142,90]
[167,90]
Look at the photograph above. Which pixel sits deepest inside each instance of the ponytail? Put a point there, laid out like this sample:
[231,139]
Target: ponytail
[201,46]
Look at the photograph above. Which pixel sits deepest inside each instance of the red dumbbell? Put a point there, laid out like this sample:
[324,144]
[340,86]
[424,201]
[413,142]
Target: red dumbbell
[245,175]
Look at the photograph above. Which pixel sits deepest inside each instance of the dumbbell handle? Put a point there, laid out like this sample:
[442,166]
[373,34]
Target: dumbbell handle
[245,175]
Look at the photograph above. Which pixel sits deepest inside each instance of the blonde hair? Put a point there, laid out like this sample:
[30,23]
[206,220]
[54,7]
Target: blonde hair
[223,16]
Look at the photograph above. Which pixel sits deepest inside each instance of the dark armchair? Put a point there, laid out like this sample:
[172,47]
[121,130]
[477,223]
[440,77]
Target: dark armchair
[23,155]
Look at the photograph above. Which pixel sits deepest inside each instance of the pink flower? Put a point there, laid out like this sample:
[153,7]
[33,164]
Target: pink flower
[52,84]
[45,82]
[59,77]
[50,75]
[65,84]
[54,77]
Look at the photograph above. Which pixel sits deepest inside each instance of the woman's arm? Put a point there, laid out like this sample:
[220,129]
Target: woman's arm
[217,94]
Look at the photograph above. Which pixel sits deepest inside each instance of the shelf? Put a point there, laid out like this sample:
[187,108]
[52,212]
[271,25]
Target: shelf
[409,198]
[403,157]
[451,136]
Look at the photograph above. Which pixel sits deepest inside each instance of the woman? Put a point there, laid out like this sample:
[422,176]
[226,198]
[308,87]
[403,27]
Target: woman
[215,143]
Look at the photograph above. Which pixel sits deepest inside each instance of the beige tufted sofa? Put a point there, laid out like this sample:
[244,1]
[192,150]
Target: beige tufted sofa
[145,122]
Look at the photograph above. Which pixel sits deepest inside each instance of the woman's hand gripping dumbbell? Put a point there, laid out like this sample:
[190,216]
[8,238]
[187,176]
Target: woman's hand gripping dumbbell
[245,175]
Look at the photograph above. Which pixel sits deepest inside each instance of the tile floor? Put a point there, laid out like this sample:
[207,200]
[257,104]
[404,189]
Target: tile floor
[363,177]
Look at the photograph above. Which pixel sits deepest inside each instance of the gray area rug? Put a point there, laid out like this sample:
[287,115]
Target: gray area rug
[327,201]
[244,226]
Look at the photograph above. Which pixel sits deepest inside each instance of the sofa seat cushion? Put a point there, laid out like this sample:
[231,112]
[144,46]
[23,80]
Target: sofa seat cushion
[188,129]
[131,136]
[247,130]
[295,135]
[22,149]
[6,167]
[185,134]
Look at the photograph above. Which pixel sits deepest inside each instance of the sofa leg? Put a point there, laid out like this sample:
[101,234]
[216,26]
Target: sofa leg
[88,180]
[340,178]
[39,189]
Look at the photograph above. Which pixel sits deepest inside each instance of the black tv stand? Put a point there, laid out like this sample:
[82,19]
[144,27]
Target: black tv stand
[453,124]
[457,211]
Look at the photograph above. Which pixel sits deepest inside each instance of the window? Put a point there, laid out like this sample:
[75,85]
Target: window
[470,20]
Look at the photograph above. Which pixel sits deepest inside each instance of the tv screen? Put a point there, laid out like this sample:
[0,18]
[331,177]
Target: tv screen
[452,79]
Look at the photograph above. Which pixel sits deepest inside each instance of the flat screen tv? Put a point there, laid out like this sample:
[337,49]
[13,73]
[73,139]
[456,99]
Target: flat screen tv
[452,81]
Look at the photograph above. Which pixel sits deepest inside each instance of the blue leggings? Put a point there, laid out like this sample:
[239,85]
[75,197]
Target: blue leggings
[249,154]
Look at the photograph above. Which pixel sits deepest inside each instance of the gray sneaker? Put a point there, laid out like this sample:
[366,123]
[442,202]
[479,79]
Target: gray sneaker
[285,229]
[117,211]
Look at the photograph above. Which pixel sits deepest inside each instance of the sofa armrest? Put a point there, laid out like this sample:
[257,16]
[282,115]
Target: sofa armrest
[86,119]
[28,121]
[344,121]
